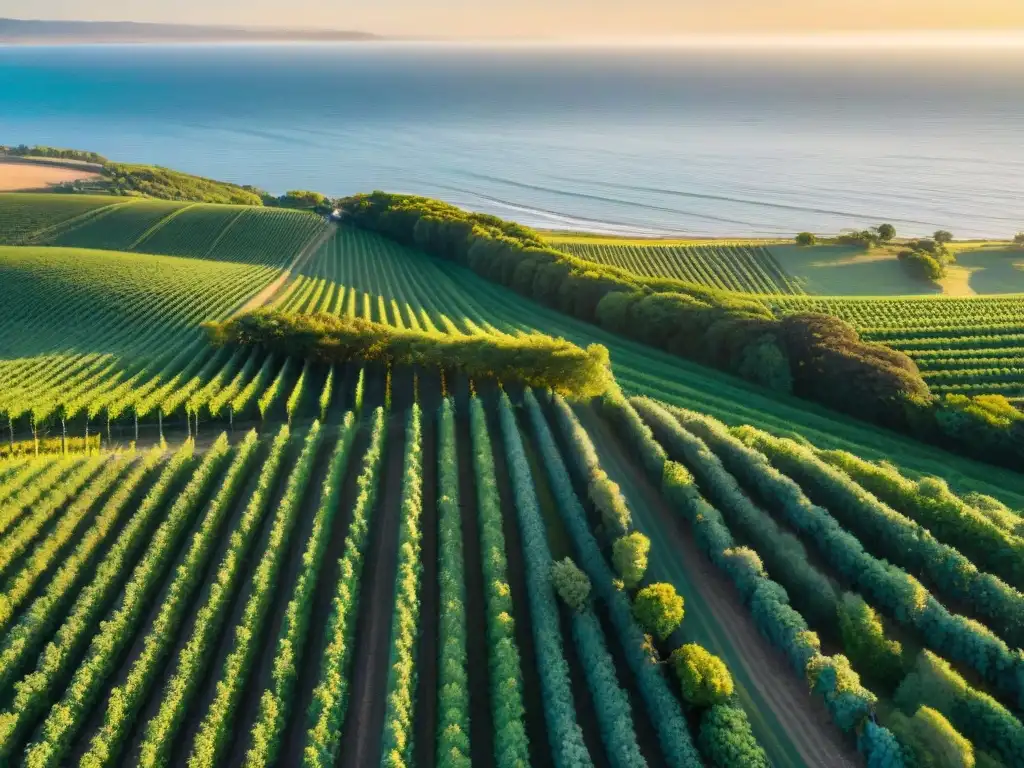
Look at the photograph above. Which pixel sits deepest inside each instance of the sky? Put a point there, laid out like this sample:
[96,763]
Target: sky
[550,18]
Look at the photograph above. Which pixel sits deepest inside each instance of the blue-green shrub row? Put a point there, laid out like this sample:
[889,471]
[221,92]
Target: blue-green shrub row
[564,733]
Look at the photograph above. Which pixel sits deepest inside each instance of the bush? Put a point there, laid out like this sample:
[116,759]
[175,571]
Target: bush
[534,359]
[608,499]
[629,555]
[703,677]
[943,237]
[154,181]
[1018,239]
[922,264]
[571,583]
[865,642]
[727,741]
[880,747]
[930,741]
[659,609]
[806,239]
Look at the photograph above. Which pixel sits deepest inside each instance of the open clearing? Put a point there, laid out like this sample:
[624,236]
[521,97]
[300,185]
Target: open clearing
[18,177]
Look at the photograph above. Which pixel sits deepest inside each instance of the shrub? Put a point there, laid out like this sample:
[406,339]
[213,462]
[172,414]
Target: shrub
[930,741]
[726,740]
[1018,239]
[659,609]
[865,642]
[703,677]
[629,555]
[609,501]
[922,264]
[943,237]
[806,239]
[571,583]
[880,747]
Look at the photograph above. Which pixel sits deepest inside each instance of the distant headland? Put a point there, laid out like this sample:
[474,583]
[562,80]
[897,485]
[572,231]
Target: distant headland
[25,32]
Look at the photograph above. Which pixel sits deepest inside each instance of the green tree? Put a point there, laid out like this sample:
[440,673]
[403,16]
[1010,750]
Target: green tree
[1018,239]
[629,555]
[806,239]
[659,609]
[943,237]
[886,232]
[703,677]
[571,583]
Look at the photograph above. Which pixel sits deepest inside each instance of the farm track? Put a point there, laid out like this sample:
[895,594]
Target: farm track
[793,728]
[364,720]
[269,293]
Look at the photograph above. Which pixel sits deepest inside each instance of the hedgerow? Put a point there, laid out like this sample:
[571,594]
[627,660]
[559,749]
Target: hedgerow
[534,359]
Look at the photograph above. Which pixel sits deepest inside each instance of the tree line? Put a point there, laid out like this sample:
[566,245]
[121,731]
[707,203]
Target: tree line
[814,356]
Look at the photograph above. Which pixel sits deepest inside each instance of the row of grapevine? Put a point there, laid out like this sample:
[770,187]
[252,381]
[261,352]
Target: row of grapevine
[22,215]
[902,596]
[24,640]
[64,503]
[327,711]
[831,677]
[128,477]
[742,268]
[564,734]
[53,475]
[276,702]
[125,700]
[194,658]
[453,682]
[213,732]
[396,747]
[34,692]
[506,677]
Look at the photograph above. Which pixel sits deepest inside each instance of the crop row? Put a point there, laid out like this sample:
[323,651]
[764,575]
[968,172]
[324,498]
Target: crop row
[125,700]
[330,696]
[213,731]
[33,694]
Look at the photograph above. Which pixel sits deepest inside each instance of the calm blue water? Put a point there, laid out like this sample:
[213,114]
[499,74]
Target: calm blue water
[638,141]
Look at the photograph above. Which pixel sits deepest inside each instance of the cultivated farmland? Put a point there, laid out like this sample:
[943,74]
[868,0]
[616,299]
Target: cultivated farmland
[742,268]
[277,560]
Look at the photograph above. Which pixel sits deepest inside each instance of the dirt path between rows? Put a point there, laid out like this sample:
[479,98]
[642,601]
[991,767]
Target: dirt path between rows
[299,261]
[803,719]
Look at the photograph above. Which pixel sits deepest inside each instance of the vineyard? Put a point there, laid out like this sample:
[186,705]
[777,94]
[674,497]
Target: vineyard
[269,237]
[962,346]
[278,561]
[741,268]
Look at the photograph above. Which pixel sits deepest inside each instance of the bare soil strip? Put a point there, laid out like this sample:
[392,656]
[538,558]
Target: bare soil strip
[293,738]
[364,721]
[427,655]
[481,725]
[791,725]
[31,176]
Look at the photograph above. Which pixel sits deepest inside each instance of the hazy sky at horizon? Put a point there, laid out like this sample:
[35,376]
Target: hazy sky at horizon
[549,18]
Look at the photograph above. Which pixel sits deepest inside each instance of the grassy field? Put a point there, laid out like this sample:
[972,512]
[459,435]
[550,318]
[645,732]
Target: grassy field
[368,572]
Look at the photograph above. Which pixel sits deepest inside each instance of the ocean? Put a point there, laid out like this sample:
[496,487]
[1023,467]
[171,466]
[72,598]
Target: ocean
[638,141]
